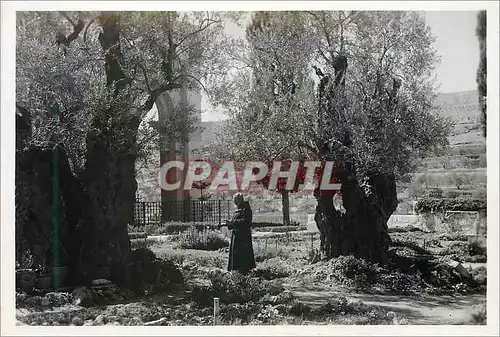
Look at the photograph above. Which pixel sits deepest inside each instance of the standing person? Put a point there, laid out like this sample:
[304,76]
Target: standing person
[241,256]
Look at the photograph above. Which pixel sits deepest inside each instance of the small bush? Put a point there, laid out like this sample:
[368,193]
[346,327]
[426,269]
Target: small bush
[479,315]
[236,313]
[282,229]
[269,253]
[153,274]
[451,194]
[137,235]
[202,240]
[475,248]
[144,243]
[456,248]
[266,224]
[353,271]
[452,237]
[479,275]
[272,269]
[480,194]
[404,229]
[170,228]
[436,193]
[343,311]
[440,205]
[475,259]
[233,287]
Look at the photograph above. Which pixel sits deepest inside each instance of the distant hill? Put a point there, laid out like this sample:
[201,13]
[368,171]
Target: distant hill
[461,107]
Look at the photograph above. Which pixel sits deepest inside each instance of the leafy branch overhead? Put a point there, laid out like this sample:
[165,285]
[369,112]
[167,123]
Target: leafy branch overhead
[160,52]
[381,117]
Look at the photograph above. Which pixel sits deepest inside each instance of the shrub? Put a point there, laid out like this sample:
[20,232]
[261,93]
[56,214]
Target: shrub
[459,204]
[266,224]
[153,274]
[450,194]
[281,229]
[137,235]
[452,237]
[269,253]
[475,248]
[272,269]
[169,228]
[479,315]
[233,287]
[480,194]
[479,275]
[193,259]
[144,243]
[436,193]
[203,240]
[353,271]
[236,313]
[456,248]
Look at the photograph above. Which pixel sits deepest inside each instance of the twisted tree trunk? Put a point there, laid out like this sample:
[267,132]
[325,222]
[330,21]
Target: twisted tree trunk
[285,203]
[110,164]
[361,230]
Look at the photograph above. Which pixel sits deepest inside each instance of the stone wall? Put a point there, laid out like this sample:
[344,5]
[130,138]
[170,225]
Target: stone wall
[473,223]
[443,222]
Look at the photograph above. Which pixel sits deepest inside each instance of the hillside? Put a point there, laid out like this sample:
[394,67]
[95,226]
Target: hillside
[463,109]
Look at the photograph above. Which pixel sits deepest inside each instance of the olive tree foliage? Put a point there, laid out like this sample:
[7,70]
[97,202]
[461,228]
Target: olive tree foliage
[162,51]
[386,108]
[381,120]
[48,75]
[269,95]
[481,29]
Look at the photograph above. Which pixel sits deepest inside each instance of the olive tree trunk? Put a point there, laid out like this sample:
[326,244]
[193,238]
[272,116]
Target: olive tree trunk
[361,228]
[110,168]
[285,203]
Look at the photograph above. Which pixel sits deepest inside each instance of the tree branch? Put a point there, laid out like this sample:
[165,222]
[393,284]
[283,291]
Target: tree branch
[153,96]
[200,29]
[194,78]
[77,28]
[66,16]
[87,28]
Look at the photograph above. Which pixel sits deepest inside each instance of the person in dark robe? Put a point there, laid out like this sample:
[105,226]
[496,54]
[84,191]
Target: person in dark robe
[241,255]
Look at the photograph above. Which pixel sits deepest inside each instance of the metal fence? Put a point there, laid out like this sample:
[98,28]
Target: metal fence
[152,212]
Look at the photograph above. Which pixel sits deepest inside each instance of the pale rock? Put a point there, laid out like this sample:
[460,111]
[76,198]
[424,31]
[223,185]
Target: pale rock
[100,320]
[82,295]
[77,321]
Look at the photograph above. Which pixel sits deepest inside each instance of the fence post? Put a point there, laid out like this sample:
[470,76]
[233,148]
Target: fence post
[143,213]
[218,206]
[134,223]
[202,211]
[216,311]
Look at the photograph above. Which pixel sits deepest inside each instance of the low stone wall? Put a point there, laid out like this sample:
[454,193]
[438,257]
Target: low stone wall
[473,222]
[404,220]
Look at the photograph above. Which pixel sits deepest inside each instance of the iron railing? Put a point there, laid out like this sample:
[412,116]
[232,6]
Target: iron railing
[152,212]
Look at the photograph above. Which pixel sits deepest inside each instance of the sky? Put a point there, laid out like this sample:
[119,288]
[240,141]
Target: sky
[458,46]
[456,43]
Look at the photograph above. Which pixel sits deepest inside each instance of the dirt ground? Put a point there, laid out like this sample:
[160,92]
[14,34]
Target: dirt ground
[293,254]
